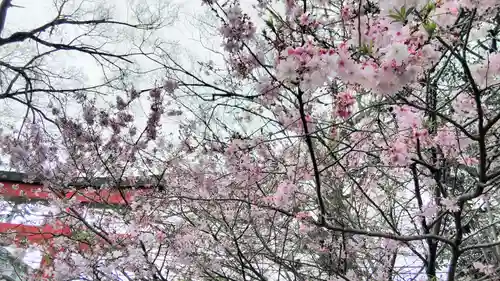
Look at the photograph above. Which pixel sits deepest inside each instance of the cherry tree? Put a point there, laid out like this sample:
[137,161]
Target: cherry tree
[375,116]
[338,140]
[73,49]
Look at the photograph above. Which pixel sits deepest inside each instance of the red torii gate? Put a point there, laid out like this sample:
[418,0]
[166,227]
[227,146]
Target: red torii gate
[13,188]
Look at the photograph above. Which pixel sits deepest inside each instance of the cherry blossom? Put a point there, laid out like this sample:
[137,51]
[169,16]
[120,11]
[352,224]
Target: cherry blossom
[334,140]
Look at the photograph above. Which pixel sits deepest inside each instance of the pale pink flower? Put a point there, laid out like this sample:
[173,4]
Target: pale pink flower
[399,154]
[450,204]
[344,104]
[486,269]
[397,52]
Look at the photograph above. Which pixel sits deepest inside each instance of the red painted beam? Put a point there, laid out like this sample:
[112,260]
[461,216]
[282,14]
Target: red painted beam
[32,191]
[40,234]
[34,234]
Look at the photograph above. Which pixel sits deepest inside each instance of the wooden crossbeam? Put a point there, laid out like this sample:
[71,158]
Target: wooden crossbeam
[38,192]
[12,188]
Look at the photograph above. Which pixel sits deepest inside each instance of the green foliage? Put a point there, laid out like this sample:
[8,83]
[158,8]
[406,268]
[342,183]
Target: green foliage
[402,14]
[366,49]
[270,23]
[82,235]
[430,27]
